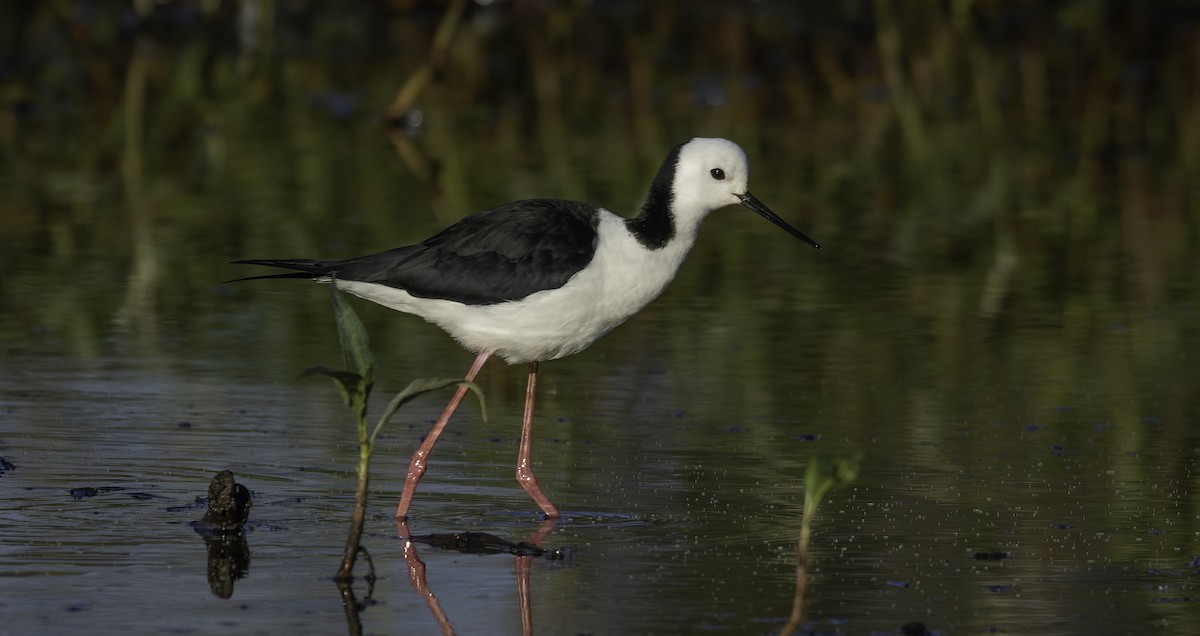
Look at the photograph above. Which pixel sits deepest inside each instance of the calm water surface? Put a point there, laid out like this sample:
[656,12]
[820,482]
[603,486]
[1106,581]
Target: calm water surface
[679,475]
[1004,322]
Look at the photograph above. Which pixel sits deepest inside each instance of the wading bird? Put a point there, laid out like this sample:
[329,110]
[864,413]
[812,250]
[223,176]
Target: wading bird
[541,279]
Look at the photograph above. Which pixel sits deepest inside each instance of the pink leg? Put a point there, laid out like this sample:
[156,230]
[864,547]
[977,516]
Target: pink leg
[416,468]
[524,462]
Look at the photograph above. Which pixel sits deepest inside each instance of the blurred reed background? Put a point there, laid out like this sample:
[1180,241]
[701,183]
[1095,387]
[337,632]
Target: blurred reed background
[972,166]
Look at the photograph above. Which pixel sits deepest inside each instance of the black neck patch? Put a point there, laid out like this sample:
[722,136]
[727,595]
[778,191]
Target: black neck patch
[654,227]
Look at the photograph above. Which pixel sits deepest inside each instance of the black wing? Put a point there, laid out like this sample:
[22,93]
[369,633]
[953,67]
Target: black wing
[498,255]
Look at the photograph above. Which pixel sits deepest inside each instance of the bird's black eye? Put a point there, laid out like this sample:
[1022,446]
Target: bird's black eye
[717,173]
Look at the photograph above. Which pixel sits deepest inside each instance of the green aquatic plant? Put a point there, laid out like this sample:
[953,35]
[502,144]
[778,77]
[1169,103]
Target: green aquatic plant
[355,386]
[823,475]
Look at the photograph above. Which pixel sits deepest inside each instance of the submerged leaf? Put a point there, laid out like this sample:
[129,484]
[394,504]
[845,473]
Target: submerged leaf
[352,386]
[845,469]
[825,474]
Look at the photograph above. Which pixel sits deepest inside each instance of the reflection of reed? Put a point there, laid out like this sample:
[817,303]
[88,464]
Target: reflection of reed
[419,79]
[907,110]
[445,166]
[351,606]
[137,310]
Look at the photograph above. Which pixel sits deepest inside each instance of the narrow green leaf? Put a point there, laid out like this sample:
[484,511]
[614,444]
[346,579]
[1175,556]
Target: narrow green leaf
[356,347]
[420,387]
[336,374]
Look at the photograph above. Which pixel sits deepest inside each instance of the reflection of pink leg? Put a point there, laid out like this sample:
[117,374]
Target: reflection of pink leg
[523,565]
[416,576]
[524,462]
[542,532]
[417,467]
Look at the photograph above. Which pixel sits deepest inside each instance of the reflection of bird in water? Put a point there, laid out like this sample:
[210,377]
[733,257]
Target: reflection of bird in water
[541,279]
[484,543]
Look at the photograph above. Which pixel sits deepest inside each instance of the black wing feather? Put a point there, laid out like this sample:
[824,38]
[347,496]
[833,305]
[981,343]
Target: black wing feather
[502,254]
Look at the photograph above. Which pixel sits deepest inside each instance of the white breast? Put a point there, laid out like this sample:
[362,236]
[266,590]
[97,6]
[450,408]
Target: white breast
[622,278]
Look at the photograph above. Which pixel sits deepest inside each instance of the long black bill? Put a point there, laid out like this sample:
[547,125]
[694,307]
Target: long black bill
[749,201]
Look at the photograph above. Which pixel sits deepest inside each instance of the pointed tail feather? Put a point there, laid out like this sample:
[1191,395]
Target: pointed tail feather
[291,275]
[306,268]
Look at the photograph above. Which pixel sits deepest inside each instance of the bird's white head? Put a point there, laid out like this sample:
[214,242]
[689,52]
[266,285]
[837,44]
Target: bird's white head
[712,173]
